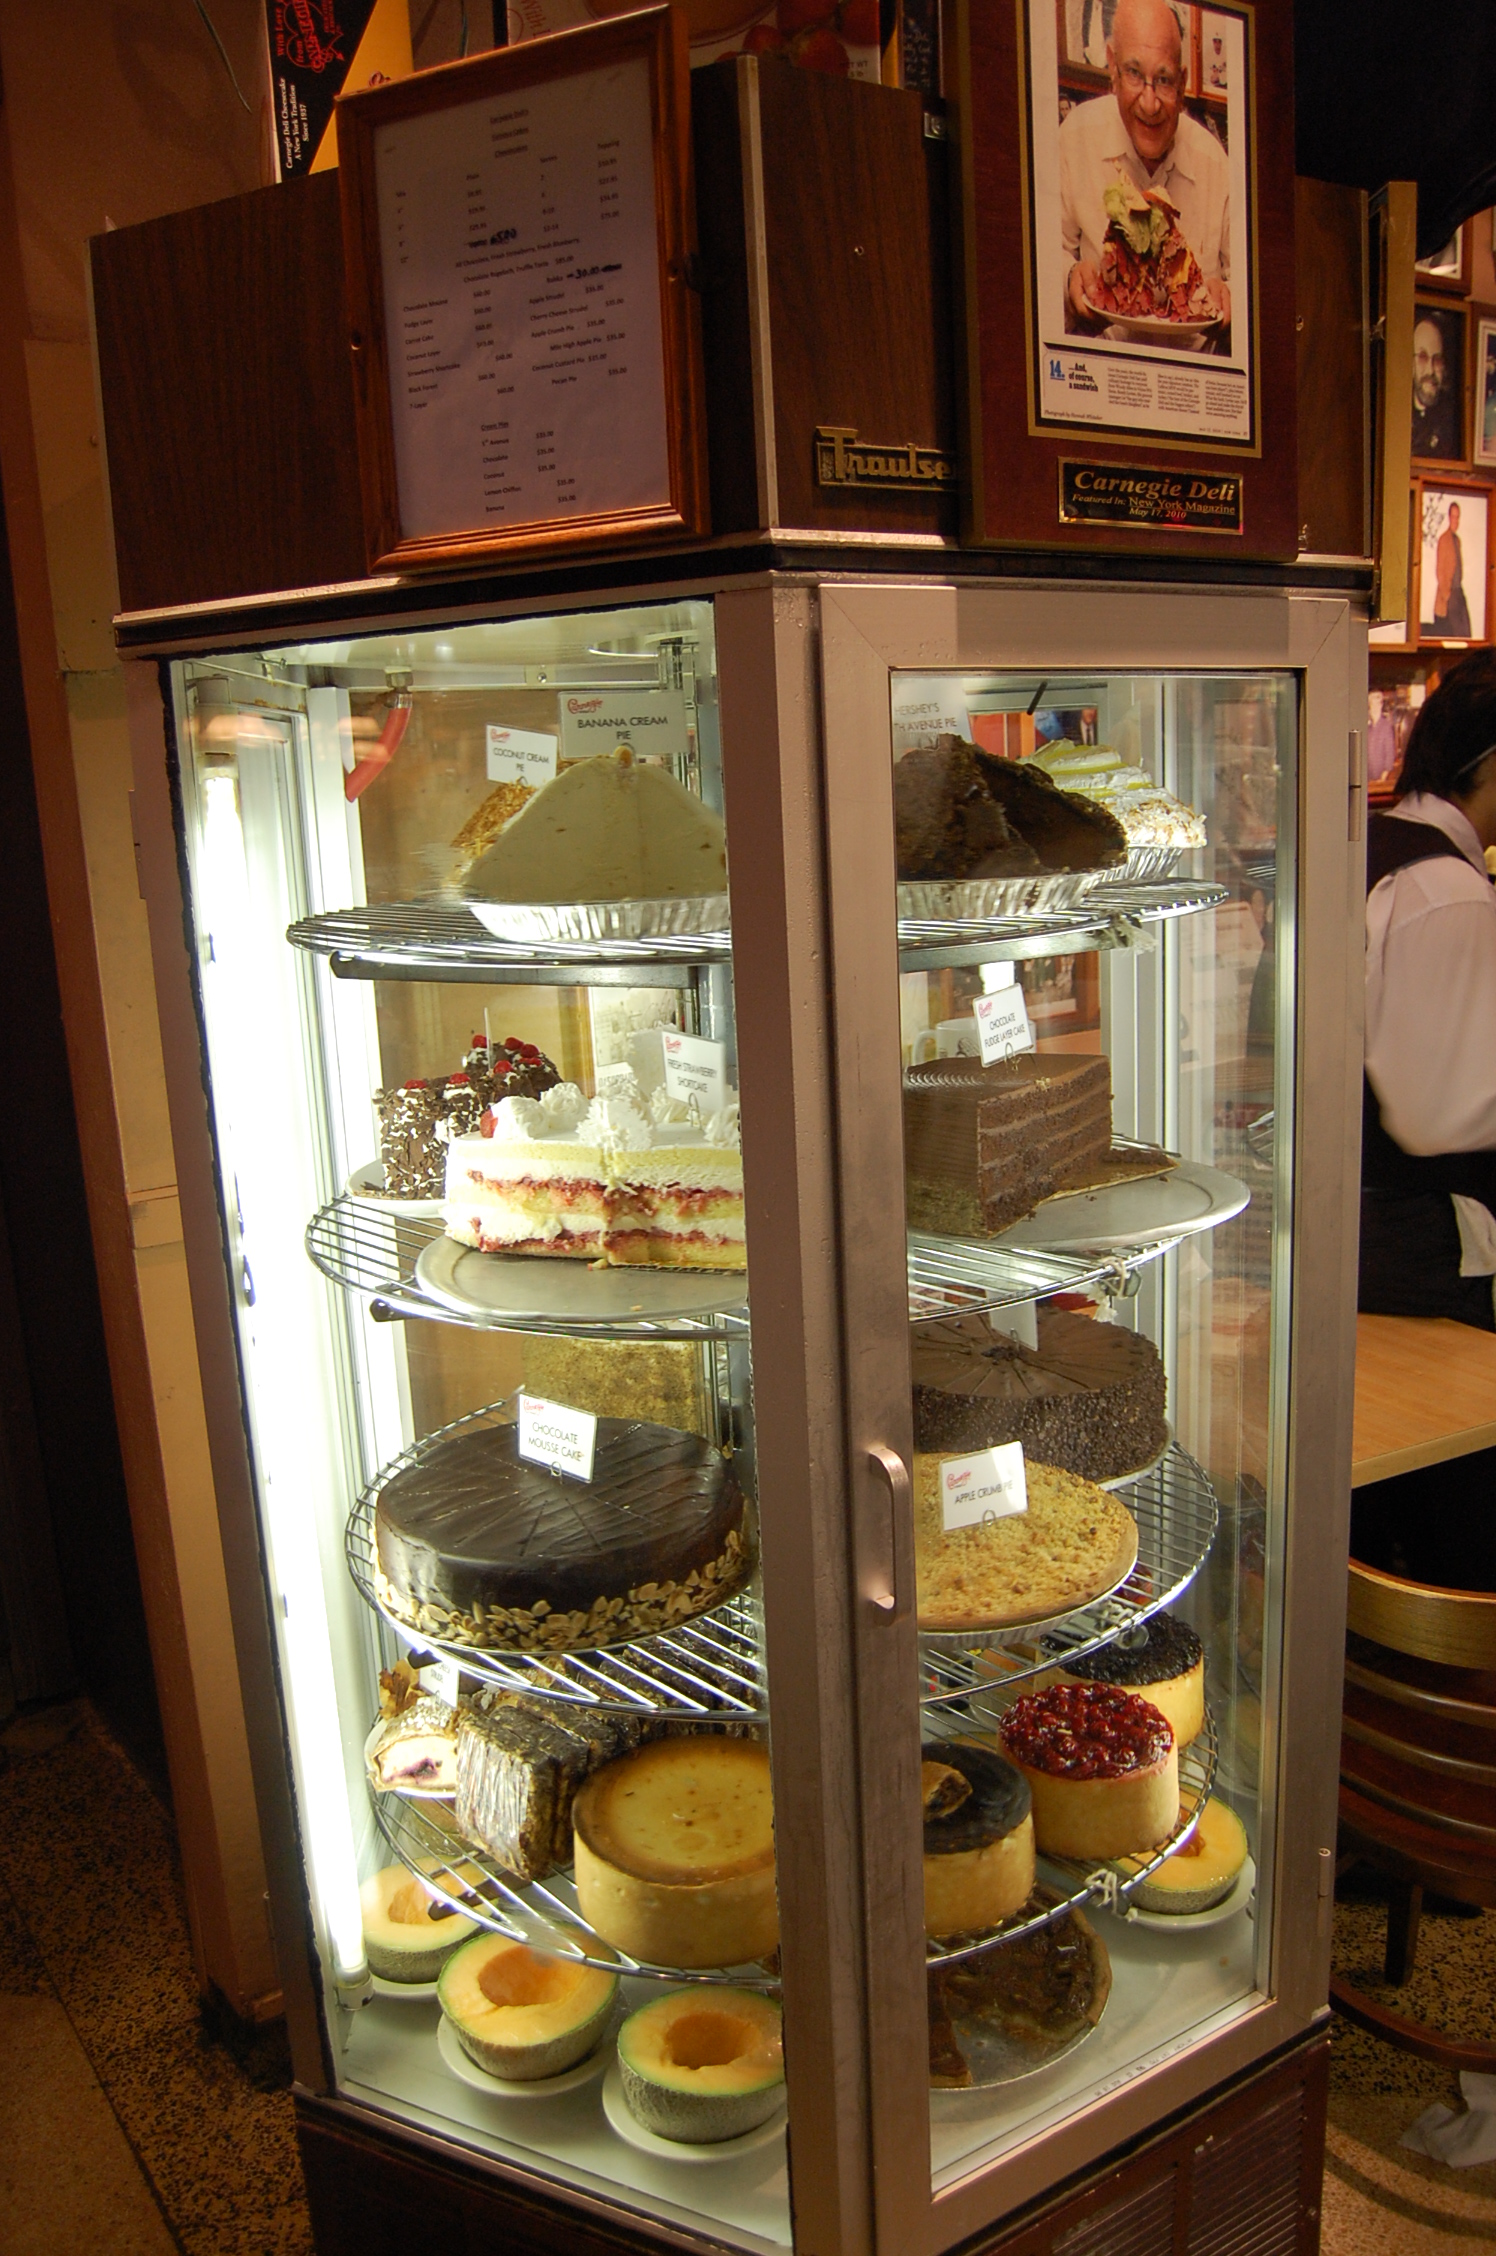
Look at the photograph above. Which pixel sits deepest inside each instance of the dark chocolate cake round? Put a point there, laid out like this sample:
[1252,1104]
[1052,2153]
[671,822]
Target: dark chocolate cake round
[477,1547]
[1089,1398]
[999,1799]
[1167,1648]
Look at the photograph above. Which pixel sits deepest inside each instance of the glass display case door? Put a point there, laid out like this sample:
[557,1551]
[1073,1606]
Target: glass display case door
[1095,1068]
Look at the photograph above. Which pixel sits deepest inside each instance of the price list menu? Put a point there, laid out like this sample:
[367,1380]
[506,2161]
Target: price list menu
[522,306]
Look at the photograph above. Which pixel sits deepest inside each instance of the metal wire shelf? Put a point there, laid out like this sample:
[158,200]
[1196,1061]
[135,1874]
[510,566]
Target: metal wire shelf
[545,1913]
[1175,1507]
[443,940]
[356,1245]
[542,1913]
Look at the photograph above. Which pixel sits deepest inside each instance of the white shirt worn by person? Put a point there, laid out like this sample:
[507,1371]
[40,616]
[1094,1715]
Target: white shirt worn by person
[1096,151]
[1431,1008]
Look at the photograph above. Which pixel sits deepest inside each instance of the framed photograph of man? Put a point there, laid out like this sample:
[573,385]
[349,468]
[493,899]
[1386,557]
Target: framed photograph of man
[1453,562]
[1449,268]
[1439,383]
[1140,218]
[1120,184]
[1483,386]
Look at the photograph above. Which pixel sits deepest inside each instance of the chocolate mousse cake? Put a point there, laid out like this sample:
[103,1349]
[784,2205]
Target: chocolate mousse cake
[947,823]
[1089,1397]
[983,1145]
[477,1547]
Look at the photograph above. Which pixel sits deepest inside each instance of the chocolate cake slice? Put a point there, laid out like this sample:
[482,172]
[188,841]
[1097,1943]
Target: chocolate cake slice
[1066,830]
[1089,1398]
[946,822]
[984,1144]
[477,1547]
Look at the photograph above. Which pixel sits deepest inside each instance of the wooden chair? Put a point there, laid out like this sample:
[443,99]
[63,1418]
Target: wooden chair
[1418,1775]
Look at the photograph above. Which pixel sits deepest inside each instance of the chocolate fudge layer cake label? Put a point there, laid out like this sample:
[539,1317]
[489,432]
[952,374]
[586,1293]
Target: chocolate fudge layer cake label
[990,1485]
[551,1434]
[1003,1024]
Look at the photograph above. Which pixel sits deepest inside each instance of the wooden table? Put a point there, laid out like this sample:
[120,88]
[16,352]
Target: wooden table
[1425,1391]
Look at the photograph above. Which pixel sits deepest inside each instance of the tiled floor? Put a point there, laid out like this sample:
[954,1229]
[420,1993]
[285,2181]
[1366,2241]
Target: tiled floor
[121,2130]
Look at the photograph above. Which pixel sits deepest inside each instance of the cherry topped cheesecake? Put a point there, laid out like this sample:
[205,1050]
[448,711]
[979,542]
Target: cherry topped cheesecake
[1102,1768]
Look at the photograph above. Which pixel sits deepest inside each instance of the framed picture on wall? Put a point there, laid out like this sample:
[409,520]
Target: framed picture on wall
[1449,268]
[1483,385]
[1438,382]
[518,234]
[1392,708]
[1453,562]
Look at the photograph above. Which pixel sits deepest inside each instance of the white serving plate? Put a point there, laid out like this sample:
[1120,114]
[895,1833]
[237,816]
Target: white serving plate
[499,1284]
[1155,329]
[417,1993]
[365,1186]
[1190,1197]
[692,916]
[615,2107]
[997,2057]
[467,2071]
[1191,1922]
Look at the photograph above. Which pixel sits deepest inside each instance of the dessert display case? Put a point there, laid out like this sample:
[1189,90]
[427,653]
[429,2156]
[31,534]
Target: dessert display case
[765,1175]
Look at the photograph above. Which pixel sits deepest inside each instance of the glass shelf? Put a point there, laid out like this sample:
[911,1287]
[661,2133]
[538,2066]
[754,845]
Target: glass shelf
[443,940]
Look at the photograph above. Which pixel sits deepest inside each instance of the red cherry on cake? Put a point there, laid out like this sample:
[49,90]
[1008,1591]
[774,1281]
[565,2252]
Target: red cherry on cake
[1101,1765]
[487,1124]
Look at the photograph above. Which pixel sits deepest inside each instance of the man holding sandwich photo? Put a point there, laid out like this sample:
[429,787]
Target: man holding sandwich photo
[1140,139]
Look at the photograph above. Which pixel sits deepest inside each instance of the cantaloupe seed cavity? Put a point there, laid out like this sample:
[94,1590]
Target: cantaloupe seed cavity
[707,2040]
[409,1905]
[518,1977]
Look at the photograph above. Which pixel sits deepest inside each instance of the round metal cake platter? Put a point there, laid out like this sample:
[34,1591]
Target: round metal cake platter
[1190,1197]
[570,1292]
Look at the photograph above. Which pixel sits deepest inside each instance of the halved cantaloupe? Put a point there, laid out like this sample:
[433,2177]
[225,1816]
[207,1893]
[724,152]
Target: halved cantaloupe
[702,2065]
[520,2013]
[1204,1871]
[409,1934]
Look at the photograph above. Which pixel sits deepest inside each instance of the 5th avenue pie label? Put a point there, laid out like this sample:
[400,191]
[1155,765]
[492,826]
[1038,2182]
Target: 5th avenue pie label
[1131,493]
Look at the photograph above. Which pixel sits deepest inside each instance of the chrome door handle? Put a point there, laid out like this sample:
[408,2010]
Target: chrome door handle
[890,1591]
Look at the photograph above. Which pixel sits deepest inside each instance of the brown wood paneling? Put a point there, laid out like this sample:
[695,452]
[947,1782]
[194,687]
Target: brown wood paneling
[1330,262]
[858,256]
[722,274]
[228,398]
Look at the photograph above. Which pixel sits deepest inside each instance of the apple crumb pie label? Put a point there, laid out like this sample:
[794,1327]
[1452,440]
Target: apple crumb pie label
[1159,501]
[991,1484]
[551,1434]
[1003,1026]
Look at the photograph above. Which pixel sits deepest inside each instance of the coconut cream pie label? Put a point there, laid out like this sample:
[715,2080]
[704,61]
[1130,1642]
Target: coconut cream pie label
[991,1484]
[551,1434]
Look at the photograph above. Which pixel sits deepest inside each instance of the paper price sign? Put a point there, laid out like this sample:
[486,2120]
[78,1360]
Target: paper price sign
[442,1678]
[990,1485]
[1003,1027]
[551,1434]
[653,721]
[696,1068]
[520,756]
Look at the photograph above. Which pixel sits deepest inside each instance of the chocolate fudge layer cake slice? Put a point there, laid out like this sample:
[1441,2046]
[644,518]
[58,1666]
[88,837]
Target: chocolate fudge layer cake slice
[476,1547]
[984,1144]
[1089,1397]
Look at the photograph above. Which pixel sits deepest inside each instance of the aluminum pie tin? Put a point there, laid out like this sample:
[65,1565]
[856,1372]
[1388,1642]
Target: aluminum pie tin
[693,916]
[1143,865]
[999,2053]
[979,899]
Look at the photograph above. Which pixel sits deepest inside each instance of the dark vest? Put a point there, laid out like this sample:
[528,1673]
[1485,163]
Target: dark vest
[1394,844]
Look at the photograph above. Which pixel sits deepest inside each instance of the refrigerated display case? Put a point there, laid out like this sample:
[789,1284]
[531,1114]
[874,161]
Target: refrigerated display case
[1043,1199]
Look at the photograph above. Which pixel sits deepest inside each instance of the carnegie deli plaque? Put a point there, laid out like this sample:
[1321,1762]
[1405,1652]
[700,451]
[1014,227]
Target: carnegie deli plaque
[1157,500]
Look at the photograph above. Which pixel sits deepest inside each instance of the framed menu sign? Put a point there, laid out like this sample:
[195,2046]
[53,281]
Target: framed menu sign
[526,345]
[1127,220]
